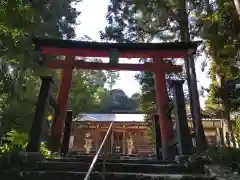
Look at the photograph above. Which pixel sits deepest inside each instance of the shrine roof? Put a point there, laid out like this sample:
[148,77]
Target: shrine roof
[110,117]
[60,43]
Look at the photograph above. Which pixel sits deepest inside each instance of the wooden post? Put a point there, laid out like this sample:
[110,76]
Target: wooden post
[183,135]
[67,133]
[219,138]
[124,142]
[112,141]
[166,125]
[158,140]
[62,99]
[227,139]
[40,115]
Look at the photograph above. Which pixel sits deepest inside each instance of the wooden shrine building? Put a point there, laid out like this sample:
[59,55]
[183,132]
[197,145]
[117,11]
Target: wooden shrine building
[94,127]
[125,126]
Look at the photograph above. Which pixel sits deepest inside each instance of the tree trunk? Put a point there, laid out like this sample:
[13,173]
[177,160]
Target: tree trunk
[226,112]
[237,5]
[191,80]
[224,104]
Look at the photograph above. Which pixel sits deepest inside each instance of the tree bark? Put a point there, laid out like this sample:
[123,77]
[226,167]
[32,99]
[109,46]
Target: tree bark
[224,103]
[226,112]
[237,5]
[191,80]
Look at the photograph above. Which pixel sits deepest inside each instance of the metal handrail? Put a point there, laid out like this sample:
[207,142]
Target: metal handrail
[98,152]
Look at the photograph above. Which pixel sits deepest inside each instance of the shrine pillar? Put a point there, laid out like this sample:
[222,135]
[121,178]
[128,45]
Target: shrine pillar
[67,133]
[124,142]
[62,99]
[40,115]
[158,140]
[184,139]
[166,125]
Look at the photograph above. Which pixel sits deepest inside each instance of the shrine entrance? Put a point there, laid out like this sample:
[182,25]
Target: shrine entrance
[115,142]
[118,142]
[108,145]
[114,51]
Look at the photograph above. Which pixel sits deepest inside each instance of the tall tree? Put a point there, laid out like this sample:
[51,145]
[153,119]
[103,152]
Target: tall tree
[216,22]
[17,111]
[20,21]
[21,64]
[144,21]
[191,78]
[113,76]
[237,5]
[219,28]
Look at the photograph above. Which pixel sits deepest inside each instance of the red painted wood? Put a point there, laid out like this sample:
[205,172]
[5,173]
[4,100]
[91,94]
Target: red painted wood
[158,67]
[122,54]
[166,125]
[66,83]
[60,64]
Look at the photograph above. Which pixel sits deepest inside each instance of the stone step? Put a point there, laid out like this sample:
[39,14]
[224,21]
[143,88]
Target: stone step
[115,156]
[115,167]
[69,175]
[133,160]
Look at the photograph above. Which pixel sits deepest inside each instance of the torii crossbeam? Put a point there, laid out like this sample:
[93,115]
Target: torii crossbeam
[156,51]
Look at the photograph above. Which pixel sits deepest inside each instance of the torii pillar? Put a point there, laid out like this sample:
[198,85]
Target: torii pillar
[62,99]
[166,125]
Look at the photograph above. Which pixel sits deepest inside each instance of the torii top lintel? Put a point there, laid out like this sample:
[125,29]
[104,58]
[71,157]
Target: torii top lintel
[126,50]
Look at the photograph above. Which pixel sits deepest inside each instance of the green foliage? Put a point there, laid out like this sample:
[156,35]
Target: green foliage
[83,95]
[117,101]
[17,111]
[18,141]
[131,21]
[237,130]
[220,28]
[216,23]
[21,65]
[19,62]
[88,93]
[20,22]
[144,21]
[223,156]
[45,151]
[16,138]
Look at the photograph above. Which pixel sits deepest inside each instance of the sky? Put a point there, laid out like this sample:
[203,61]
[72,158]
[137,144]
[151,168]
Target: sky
[92,20]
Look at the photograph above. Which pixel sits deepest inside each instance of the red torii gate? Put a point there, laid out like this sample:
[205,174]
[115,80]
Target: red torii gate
[156,51]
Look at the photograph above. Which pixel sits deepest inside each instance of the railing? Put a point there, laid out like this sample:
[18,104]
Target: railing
[98,152]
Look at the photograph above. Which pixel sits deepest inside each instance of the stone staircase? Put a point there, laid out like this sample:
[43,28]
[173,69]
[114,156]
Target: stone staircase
[144,149]
[115,169]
